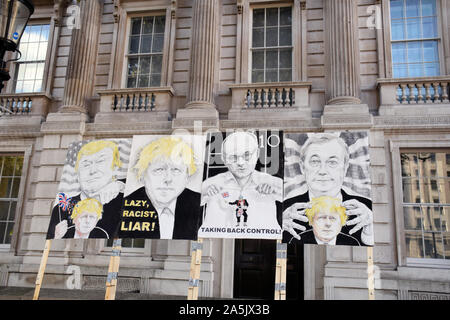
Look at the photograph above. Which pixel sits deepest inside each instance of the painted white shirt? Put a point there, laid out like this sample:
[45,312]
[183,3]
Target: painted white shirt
[166,218]
[261,211]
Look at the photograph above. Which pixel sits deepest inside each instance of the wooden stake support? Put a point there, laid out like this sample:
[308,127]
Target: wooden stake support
[42,267]
[194,274]
[113,270]
[280,271]
[370,273]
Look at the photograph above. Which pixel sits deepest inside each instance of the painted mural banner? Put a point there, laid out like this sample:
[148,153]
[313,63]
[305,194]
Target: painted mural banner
[162,194]
[90,192]
[242,191]
[327,189]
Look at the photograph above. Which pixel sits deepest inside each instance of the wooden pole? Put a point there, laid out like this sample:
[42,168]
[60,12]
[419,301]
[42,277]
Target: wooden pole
[370,274]
[194,274]
[113,270]
[280,271]
[41,271]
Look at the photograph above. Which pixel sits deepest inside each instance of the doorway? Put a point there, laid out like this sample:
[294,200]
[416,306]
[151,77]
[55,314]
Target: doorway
[254,270]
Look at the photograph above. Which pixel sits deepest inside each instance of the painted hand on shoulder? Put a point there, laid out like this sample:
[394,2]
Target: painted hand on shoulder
[295,212]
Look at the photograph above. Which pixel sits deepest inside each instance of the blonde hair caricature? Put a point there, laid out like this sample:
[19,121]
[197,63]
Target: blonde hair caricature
[94,170]
[162,199]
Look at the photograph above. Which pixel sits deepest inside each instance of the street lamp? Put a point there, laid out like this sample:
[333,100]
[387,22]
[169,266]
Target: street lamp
[13,20]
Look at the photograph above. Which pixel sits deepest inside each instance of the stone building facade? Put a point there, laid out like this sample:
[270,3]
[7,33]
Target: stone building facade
[340,65]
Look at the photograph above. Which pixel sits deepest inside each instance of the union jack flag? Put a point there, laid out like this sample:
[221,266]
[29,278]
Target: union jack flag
[64,201]
[225,194]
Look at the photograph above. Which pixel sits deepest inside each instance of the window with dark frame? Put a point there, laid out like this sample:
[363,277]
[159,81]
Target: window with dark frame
[145,51]
[414,38]
[426,204]
[10,176]
[29,70]
[271,46]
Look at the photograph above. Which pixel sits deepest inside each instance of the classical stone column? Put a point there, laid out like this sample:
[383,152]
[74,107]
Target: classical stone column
[200,95]
[343,51]
[80,76]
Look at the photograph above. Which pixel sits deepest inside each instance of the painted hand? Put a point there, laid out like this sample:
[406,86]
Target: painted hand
[60,229]
[110,192]
[363,219]
[295,212]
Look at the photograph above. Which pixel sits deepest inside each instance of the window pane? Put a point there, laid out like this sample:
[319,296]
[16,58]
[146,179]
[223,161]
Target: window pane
[32,51]
[8,166]
[136,26]
[271,76]
[258,18]
[158,43]
[271,59]
[138,243]
[147,25]
[413,29]
[432,219]
[411,190]
[19,165]
[415,70]
[30,72]
[35,33]
[285,36]
[4,210]
[430,51]
[44,33]
[155,80]
[272,37]
[131,82]
[285,16]
[8,233]
[409,165]
[133,67]
[5,187]
[144,65]
[433,245]
[428,7]
[412,8]
[446,240]
[286,75]
[398,30]
[146,44]
[396,9]
[134,44]
[258,38]
[429,27]
[258,60]
[272,17]
[28,86]
[2,232]
[412,218]
[432,69]
[285,58]
[400,71]
[156,64]
[42,51]
[399,52]
[160,24]
[415,51]
[258,76]
[12,211]
[427,163]
[143,81]
[414,245]
[429,192]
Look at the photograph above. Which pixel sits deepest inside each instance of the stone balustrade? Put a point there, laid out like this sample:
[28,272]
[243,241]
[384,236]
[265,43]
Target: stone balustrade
[285,99]
[24,104]
[135,99]
[424,90]
[140,104]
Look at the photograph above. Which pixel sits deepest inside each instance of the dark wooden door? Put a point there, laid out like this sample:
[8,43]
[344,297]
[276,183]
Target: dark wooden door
[254,270]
